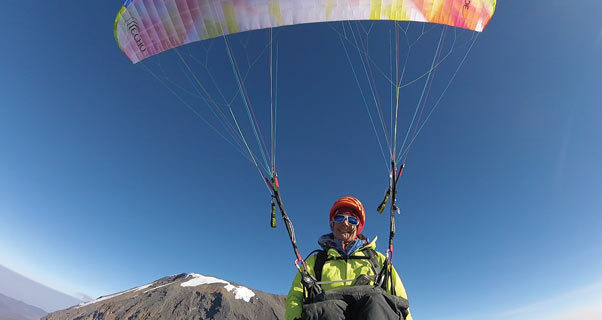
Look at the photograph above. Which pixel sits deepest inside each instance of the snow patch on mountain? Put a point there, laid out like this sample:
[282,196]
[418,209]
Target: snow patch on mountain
[114,295]
[240,292]
[155,288]
[199,279]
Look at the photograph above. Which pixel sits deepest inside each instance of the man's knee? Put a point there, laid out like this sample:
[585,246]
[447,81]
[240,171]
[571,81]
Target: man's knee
[325,310]
[382,306]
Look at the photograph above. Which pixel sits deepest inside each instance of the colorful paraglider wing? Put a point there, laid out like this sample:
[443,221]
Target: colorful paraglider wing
[147,27]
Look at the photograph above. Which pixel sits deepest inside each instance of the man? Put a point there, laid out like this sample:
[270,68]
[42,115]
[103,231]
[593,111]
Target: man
[346,269]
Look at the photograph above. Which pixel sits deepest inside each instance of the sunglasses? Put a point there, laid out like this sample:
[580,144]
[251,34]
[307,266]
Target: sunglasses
[339,218]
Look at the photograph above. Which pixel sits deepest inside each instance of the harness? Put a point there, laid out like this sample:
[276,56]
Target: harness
[311,290]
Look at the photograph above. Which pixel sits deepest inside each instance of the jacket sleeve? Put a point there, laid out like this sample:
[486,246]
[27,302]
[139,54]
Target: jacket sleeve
[294,300]
[400,290]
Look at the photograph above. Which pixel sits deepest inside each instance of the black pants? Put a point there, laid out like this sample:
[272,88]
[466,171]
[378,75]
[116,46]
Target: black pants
[356,303]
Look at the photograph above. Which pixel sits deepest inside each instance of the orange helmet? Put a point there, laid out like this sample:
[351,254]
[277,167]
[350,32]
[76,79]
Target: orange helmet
[355,205]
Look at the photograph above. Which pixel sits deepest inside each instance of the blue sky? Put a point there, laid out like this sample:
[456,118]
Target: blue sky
[109,183]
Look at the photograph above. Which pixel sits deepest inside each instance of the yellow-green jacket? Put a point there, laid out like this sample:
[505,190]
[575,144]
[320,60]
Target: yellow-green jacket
[334,270]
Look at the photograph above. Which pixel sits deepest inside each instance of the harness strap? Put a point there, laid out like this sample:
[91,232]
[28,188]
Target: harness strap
[322,257]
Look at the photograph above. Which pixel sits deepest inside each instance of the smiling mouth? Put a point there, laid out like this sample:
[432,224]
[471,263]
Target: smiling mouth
[346,231]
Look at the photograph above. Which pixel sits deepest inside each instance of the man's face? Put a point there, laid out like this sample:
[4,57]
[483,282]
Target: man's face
[344,230]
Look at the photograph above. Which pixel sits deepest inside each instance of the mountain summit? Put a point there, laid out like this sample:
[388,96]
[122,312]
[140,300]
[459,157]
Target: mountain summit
[182,296]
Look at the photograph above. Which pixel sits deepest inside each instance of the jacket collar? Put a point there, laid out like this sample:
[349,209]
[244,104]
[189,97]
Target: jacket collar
[334,247]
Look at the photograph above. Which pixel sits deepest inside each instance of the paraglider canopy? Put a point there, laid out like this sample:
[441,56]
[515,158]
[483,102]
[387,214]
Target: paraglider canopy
[146,27]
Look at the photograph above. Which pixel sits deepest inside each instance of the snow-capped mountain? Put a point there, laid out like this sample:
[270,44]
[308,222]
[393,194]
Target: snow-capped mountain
[183,296]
